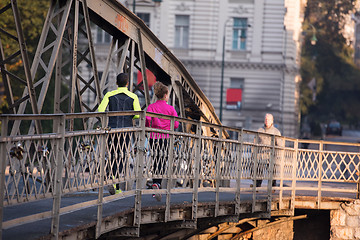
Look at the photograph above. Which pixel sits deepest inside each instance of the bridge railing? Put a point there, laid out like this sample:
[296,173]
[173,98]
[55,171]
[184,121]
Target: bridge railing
[195,160]
[328,169]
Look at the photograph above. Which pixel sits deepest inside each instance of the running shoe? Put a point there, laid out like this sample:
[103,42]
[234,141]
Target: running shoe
[112,189]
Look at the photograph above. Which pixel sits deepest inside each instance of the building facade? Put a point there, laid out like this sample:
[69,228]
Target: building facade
[250,49]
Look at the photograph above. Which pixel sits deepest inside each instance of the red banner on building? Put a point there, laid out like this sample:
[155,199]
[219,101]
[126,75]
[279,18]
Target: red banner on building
[233,98]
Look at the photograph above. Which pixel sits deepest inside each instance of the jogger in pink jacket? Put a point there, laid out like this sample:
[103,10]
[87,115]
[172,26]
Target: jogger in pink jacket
[158,141]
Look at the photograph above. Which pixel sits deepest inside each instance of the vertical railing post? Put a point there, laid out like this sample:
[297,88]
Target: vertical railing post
[103,142]
[294,170]
[239,153]
[321,146]
[281,155]
[140,159]
[219,159]
[358,187]
[170,171]
[358,183]
[271,174]
[4,129]
[196,171]
[255,166]
[56,186]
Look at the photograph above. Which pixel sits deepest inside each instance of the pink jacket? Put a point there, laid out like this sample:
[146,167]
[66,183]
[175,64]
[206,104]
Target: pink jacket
[161,107]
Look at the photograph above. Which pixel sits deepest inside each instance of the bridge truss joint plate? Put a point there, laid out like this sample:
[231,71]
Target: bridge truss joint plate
[125,232]
[189,224]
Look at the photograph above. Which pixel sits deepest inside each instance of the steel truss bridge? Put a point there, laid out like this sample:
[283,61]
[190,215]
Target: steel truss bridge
[49,160]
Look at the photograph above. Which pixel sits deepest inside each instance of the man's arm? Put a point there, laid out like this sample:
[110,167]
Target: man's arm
[148,118]
[104,103]
[136,106]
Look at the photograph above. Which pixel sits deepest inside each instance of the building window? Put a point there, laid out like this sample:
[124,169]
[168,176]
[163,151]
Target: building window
[182,31]
[102,36]
[239,34]
[234,94]
[145,17]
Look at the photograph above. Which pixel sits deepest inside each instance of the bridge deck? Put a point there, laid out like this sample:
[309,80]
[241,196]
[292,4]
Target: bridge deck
[83,219]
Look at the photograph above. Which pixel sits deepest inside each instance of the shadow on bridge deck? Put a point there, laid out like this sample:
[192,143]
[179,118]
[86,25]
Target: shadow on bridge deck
[118,212]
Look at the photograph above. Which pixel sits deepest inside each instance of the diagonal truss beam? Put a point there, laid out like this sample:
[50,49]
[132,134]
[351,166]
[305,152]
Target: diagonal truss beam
[37,59]
[25,62]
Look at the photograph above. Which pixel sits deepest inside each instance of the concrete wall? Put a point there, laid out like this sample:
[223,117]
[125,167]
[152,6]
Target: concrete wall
[345,222]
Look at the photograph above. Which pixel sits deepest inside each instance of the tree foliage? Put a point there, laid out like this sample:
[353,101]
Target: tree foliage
[32,14]
[330,62]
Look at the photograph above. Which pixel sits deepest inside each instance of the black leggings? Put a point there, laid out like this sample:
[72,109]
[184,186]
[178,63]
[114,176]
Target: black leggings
[123,141]
[160,162]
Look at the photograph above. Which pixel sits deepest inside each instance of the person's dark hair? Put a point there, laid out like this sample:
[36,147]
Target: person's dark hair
[160,90]
[122,79]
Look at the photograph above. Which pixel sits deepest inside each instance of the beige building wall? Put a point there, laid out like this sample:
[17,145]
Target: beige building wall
[269,65]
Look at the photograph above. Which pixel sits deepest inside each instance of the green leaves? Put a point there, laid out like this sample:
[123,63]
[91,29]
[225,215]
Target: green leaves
[32,14]
[330,62]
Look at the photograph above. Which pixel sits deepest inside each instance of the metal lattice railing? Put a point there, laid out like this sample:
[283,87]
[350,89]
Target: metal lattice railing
[49,165]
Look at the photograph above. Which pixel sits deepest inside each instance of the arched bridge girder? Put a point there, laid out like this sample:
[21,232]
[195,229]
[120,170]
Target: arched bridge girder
[66,48]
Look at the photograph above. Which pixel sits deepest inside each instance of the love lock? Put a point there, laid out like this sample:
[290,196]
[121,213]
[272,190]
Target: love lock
[17,151]
[85,146]
[44,151]
[107,129]
[139,148]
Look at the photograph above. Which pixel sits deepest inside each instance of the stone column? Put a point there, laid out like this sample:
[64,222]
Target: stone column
[345,222]
[281,231]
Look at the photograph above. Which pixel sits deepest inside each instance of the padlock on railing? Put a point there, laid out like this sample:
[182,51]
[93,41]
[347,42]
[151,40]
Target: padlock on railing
[17,151]
[43,150]
[86,146]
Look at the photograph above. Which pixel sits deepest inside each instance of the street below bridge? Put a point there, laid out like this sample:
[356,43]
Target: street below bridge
[352,136]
